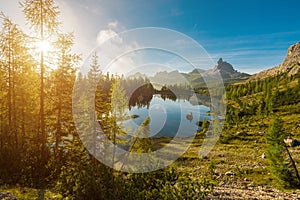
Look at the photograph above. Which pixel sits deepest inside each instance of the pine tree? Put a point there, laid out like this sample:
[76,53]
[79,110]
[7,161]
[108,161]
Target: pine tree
[62,81]
[42,15]
[18,114]
[276,153]
[119,105]
[7,50]
[93,77]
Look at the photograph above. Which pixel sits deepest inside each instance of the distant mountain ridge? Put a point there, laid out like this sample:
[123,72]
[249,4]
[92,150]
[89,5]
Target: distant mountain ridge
[195,77]
[291,64]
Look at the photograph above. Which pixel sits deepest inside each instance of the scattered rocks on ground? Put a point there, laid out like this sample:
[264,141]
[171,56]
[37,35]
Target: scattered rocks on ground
[236,191]
[7,196]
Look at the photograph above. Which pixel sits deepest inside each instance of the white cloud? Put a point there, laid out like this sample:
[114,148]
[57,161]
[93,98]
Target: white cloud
[113,25]
[110,32]
[116,54]
[104,35]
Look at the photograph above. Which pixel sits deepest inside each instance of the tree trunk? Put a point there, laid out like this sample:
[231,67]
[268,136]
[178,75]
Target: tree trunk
[14,112]
[9,89]
[42,112]
[293,162]
[23,122]
[58,128]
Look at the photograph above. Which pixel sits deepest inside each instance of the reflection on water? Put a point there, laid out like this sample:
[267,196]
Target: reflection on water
[167,117]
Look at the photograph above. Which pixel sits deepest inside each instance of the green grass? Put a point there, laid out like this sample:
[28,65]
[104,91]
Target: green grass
[25,193]
[239,150]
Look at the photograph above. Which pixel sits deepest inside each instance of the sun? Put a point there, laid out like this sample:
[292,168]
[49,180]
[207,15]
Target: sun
[44,46]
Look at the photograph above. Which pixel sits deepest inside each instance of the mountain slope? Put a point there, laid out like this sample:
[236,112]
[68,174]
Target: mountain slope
[291,64]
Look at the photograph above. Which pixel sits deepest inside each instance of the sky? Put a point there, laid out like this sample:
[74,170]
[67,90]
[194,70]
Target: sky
[252,35]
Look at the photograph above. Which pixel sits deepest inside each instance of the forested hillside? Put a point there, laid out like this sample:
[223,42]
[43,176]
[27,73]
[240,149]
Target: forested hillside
[268,109]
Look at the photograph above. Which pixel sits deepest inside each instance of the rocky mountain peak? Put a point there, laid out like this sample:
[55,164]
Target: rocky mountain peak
[226,70]
[224,66]
[295,48]
[292,60]
[220,61]
[291,64]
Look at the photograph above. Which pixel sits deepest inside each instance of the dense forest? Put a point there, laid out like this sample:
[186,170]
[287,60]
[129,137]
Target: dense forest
[39,144]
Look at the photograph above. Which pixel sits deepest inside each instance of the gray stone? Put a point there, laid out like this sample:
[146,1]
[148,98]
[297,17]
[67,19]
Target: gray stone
[229,173]
[7,196]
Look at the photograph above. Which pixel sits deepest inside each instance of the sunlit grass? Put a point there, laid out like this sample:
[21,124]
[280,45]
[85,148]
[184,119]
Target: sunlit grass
[24,193]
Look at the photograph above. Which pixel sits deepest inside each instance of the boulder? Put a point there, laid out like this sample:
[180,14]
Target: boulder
[229,173]
[288,141]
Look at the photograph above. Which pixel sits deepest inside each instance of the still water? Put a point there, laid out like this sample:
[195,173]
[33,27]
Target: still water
[168,117]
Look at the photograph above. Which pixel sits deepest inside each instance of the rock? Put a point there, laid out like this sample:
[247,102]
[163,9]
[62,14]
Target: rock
[209,134]
[288,141]
[226,70]
[229,173]
[224,66]
[221,155]
[134,116]
[199,123]
[295,143]
[7,196]
[242,133]
[290,64]
[269,190]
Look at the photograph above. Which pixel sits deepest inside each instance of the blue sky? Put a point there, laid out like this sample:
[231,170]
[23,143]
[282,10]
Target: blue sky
[252,35]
